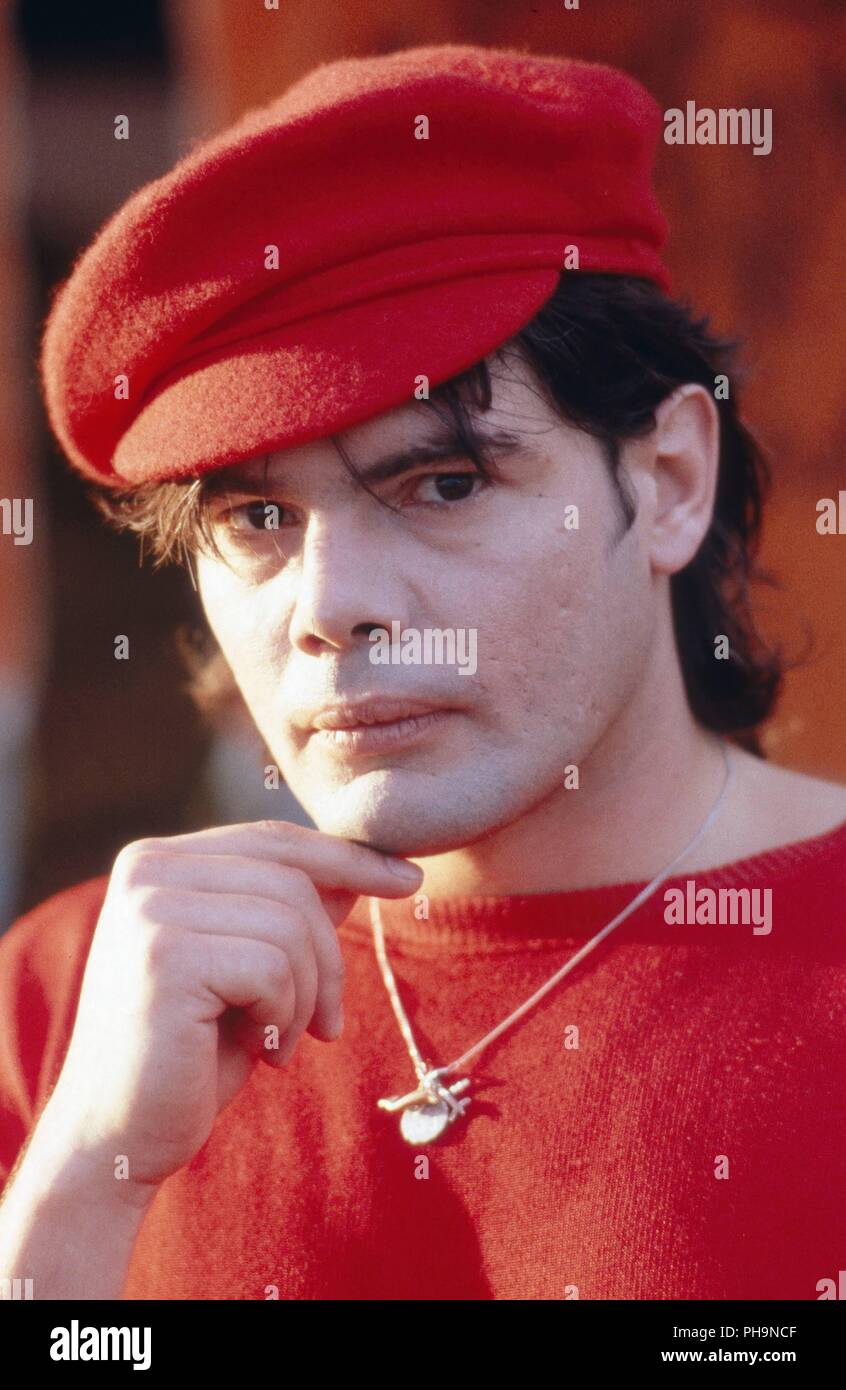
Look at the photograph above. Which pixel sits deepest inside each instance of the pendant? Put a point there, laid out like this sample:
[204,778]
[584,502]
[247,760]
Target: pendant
[423,1124]
[429,1110]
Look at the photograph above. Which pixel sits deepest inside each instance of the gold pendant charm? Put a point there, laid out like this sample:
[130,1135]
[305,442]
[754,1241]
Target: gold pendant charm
[429,1110]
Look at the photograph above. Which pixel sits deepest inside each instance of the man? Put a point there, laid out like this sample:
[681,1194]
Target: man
[274,362]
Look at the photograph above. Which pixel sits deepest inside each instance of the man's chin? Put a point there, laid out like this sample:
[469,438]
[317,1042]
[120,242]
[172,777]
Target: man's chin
[395,822]
[411,842]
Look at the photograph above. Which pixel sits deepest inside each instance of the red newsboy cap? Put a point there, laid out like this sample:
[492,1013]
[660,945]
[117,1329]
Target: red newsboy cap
[386,218]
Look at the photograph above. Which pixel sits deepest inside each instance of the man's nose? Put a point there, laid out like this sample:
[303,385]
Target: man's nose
[348,584]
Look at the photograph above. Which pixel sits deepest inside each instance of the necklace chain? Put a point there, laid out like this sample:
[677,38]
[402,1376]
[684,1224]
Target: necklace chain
[427,1076]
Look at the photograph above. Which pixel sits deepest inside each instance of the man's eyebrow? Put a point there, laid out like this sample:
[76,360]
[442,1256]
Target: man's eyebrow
[499,443]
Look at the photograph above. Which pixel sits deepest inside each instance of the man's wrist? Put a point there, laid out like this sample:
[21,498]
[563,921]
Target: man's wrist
[62,1163]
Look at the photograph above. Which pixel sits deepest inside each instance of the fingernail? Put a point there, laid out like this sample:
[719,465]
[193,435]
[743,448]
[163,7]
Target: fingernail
[401,867]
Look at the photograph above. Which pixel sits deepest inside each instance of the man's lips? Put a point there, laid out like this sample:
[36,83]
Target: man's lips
[383,736]
[372,724]
[365,713]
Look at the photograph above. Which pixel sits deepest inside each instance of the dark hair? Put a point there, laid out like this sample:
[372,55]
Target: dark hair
[607,350]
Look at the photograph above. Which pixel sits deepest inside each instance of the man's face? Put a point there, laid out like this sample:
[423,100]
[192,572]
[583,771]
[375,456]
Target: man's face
[562,617]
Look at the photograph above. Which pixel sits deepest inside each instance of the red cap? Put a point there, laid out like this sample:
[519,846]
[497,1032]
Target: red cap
[180,343]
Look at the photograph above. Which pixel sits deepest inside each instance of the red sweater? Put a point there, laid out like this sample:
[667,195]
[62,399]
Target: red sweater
[589,1171]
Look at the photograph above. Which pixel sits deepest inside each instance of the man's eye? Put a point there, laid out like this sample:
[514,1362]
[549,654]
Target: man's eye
[430,489]
[445,487]
[254,516]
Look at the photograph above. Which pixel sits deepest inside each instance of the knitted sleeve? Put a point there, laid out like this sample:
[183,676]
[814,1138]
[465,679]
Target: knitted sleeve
[42,960]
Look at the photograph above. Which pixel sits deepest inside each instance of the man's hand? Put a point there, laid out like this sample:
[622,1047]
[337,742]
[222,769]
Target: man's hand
[206,944]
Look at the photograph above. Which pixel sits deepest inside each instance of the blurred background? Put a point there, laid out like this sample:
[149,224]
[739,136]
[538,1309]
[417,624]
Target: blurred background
[95,752]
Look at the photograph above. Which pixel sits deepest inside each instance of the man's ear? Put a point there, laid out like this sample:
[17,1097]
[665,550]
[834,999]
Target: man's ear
[683,456]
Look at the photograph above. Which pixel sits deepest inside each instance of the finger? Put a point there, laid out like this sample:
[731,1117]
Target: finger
[277,993]
[294,890]
[257,980]
[298,925]
[331,861]
[227,874]
[144,866]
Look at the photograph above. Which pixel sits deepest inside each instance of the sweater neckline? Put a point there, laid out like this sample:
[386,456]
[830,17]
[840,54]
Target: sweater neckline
[518,921]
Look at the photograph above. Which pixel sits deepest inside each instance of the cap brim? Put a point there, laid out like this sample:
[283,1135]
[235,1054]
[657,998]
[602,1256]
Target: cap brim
[310,379]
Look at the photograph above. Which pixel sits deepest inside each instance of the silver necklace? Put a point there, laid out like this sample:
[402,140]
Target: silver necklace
[428,1110]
